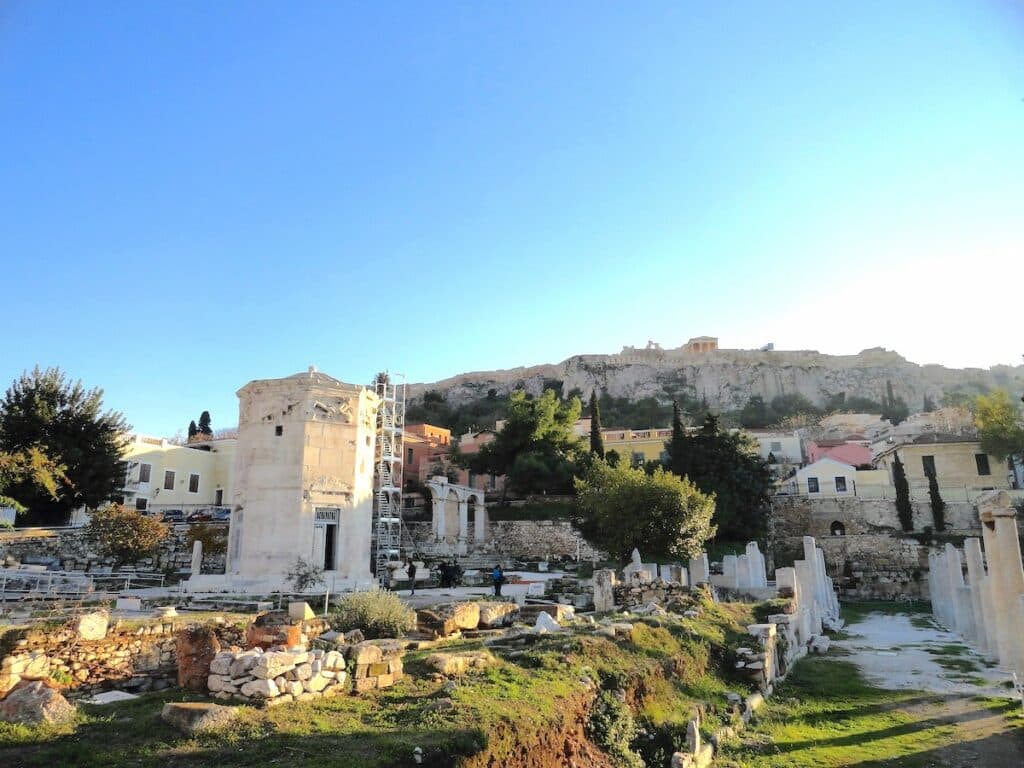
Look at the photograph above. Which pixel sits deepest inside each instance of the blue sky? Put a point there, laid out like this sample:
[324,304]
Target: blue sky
[193,195]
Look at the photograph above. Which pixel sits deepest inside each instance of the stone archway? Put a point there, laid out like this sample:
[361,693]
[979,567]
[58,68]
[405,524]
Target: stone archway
[452,505]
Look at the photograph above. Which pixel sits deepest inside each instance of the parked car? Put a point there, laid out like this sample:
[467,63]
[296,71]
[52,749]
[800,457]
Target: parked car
[200,516]
[173,516]
[221,516]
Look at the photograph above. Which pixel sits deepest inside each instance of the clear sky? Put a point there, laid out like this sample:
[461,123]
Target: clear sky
[194,195]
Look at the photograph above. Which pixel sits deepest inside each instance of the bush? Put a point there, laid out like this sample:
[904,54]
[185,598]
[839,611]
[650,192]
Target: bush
[613,728]
[123,534]
[6,524]
[378,613]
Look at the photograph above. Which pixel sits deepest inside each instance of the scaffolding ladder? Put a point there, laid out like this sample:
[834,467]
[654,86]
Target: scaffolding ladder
[388,464]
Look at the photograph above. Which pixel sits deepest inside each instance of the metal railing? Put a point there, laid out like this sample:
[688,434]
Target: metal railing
[30,582]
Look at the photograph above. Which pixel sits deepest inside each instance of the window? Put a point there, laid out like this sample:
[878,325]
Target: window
[408,455]
[278,430]
[639,459]
[168,479]
[141,504]
[838,529]
[776,446]
[840,484]
[144,470]
[812,485]
[193,483]
[981,459]
[928,463]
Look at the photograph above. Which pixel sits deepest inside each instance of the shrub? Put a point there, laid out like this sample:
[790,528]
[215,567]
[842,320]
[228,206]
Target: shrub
[214,538]
[125,535]
[378,613]
[304,575]
[5,523]
[613,728]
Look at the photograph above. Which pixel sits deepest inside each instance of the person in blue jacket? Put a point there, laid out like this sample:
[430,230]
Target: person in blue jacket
[498,576]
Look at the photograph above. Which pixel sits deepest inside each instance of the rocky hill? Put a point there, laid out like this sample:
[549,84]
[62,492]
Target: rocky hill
[728,378]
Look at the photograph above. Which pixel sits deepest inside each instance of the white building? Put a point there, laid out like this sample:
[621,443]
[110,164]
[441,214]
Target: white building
[826,477]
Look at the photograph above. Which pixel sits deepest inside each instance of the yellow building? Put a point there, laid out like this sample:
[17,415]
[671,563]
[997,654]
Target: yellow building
[637,446]
[957,461]
[161,476]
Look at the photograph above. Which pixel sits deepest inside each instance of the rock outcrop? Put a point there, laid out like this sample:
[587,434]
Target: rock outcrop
[728,378]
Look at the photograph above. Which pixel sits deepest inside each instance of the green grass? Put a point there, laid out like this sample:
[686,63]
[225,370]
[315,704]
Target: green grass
[668,667]
[826,716]
[855,611]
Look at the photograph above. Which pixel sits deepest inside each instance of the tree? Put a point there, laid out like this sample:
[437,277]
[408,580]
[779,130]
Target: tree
[727,465]
[894,409]
[193,430]
[757,414]
[596,440]
[622,508]
[204,424]
[123,534]
[612,458]
[31,466]
[1000,426]
[536,446]
[904,511]
[44,410]
[929,404]
[937,504]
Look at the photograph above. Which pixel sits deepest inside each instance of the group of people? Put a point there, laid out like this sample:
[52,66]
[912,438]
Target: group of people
[451,575]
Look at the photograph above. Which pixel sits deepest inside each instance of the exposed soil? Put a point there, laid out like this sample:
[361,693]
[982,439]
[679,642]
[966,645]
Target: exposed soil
[565,746]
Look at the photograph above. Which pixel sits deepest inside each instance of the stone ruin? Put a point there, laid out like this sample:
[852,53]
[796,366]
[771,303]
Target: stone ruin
[986,609]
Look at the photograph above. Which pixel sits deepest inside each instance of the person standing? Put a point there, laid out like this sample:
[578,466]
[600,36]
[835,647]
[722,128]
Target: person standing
[411,569]
[498,576]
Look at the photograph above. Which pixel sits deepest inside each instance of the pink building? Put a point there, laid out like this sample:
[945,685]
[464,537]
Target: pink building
[853,452]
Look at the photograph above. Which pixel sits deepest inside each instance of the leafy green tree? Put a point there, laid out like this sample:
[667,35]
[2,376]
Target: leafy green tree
[1000,425]
[535,448]
[204,424]
[904,511]
[619,508]
[937,504]
[31,466]
[193,430]
[43,409]
[612,458]
[596,440]
[757,414]
[727,465]
[788,406]
[123,534]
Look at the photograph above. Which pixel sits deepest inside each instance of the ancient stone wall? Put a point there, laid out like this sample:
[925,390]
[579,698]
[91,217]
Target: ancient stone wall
[130,657]
[802,516]
[73,551]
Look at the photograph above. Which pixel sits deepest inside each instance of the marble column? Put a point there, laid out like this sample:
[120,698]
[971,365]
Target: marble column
[699,568]
[197,558]
[1001,630]
[743,575]
[479,522]
[1006,537]
[975,575]
[961,602]
[806,578]
[439,520]
[463,520]
[729,571]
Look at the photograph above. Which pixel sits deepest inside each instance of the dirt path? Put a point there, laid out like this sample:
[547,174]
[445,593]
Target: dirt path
[901,652]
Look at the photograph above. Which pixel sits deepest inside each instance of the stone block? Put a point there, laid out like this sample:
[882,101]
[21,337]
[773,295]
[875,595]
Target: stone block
[196,649]
[385,681]
[366,684]
[35,701]
[196,717]
[91,626]
[300,611]
[273,664]
[260,689]
[128,604]
[35,666]
[333,661]
[221,663]
[445,620]
[365,653]
[316,683]
[380,668]
[497,614]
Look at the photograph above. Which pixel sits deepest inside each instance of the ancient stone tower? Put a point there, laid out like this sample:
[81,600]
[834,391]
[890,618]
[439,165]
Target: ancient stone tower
[303,480]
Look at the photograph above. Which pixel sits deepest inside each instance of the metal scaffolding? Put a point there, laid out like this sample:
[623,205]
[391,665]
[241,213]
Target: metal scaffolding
[388,463]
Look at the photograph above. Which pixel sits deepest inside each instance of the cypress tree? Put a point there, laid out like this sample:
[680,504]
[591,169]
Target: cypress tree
[596,441]
[903,509]
[676,446]
[937,504]
[193,430]
[204,423]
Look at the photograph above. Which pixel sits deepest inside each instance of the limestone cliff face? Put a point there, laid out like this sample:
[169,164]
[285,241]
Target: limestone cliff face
[727,378]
